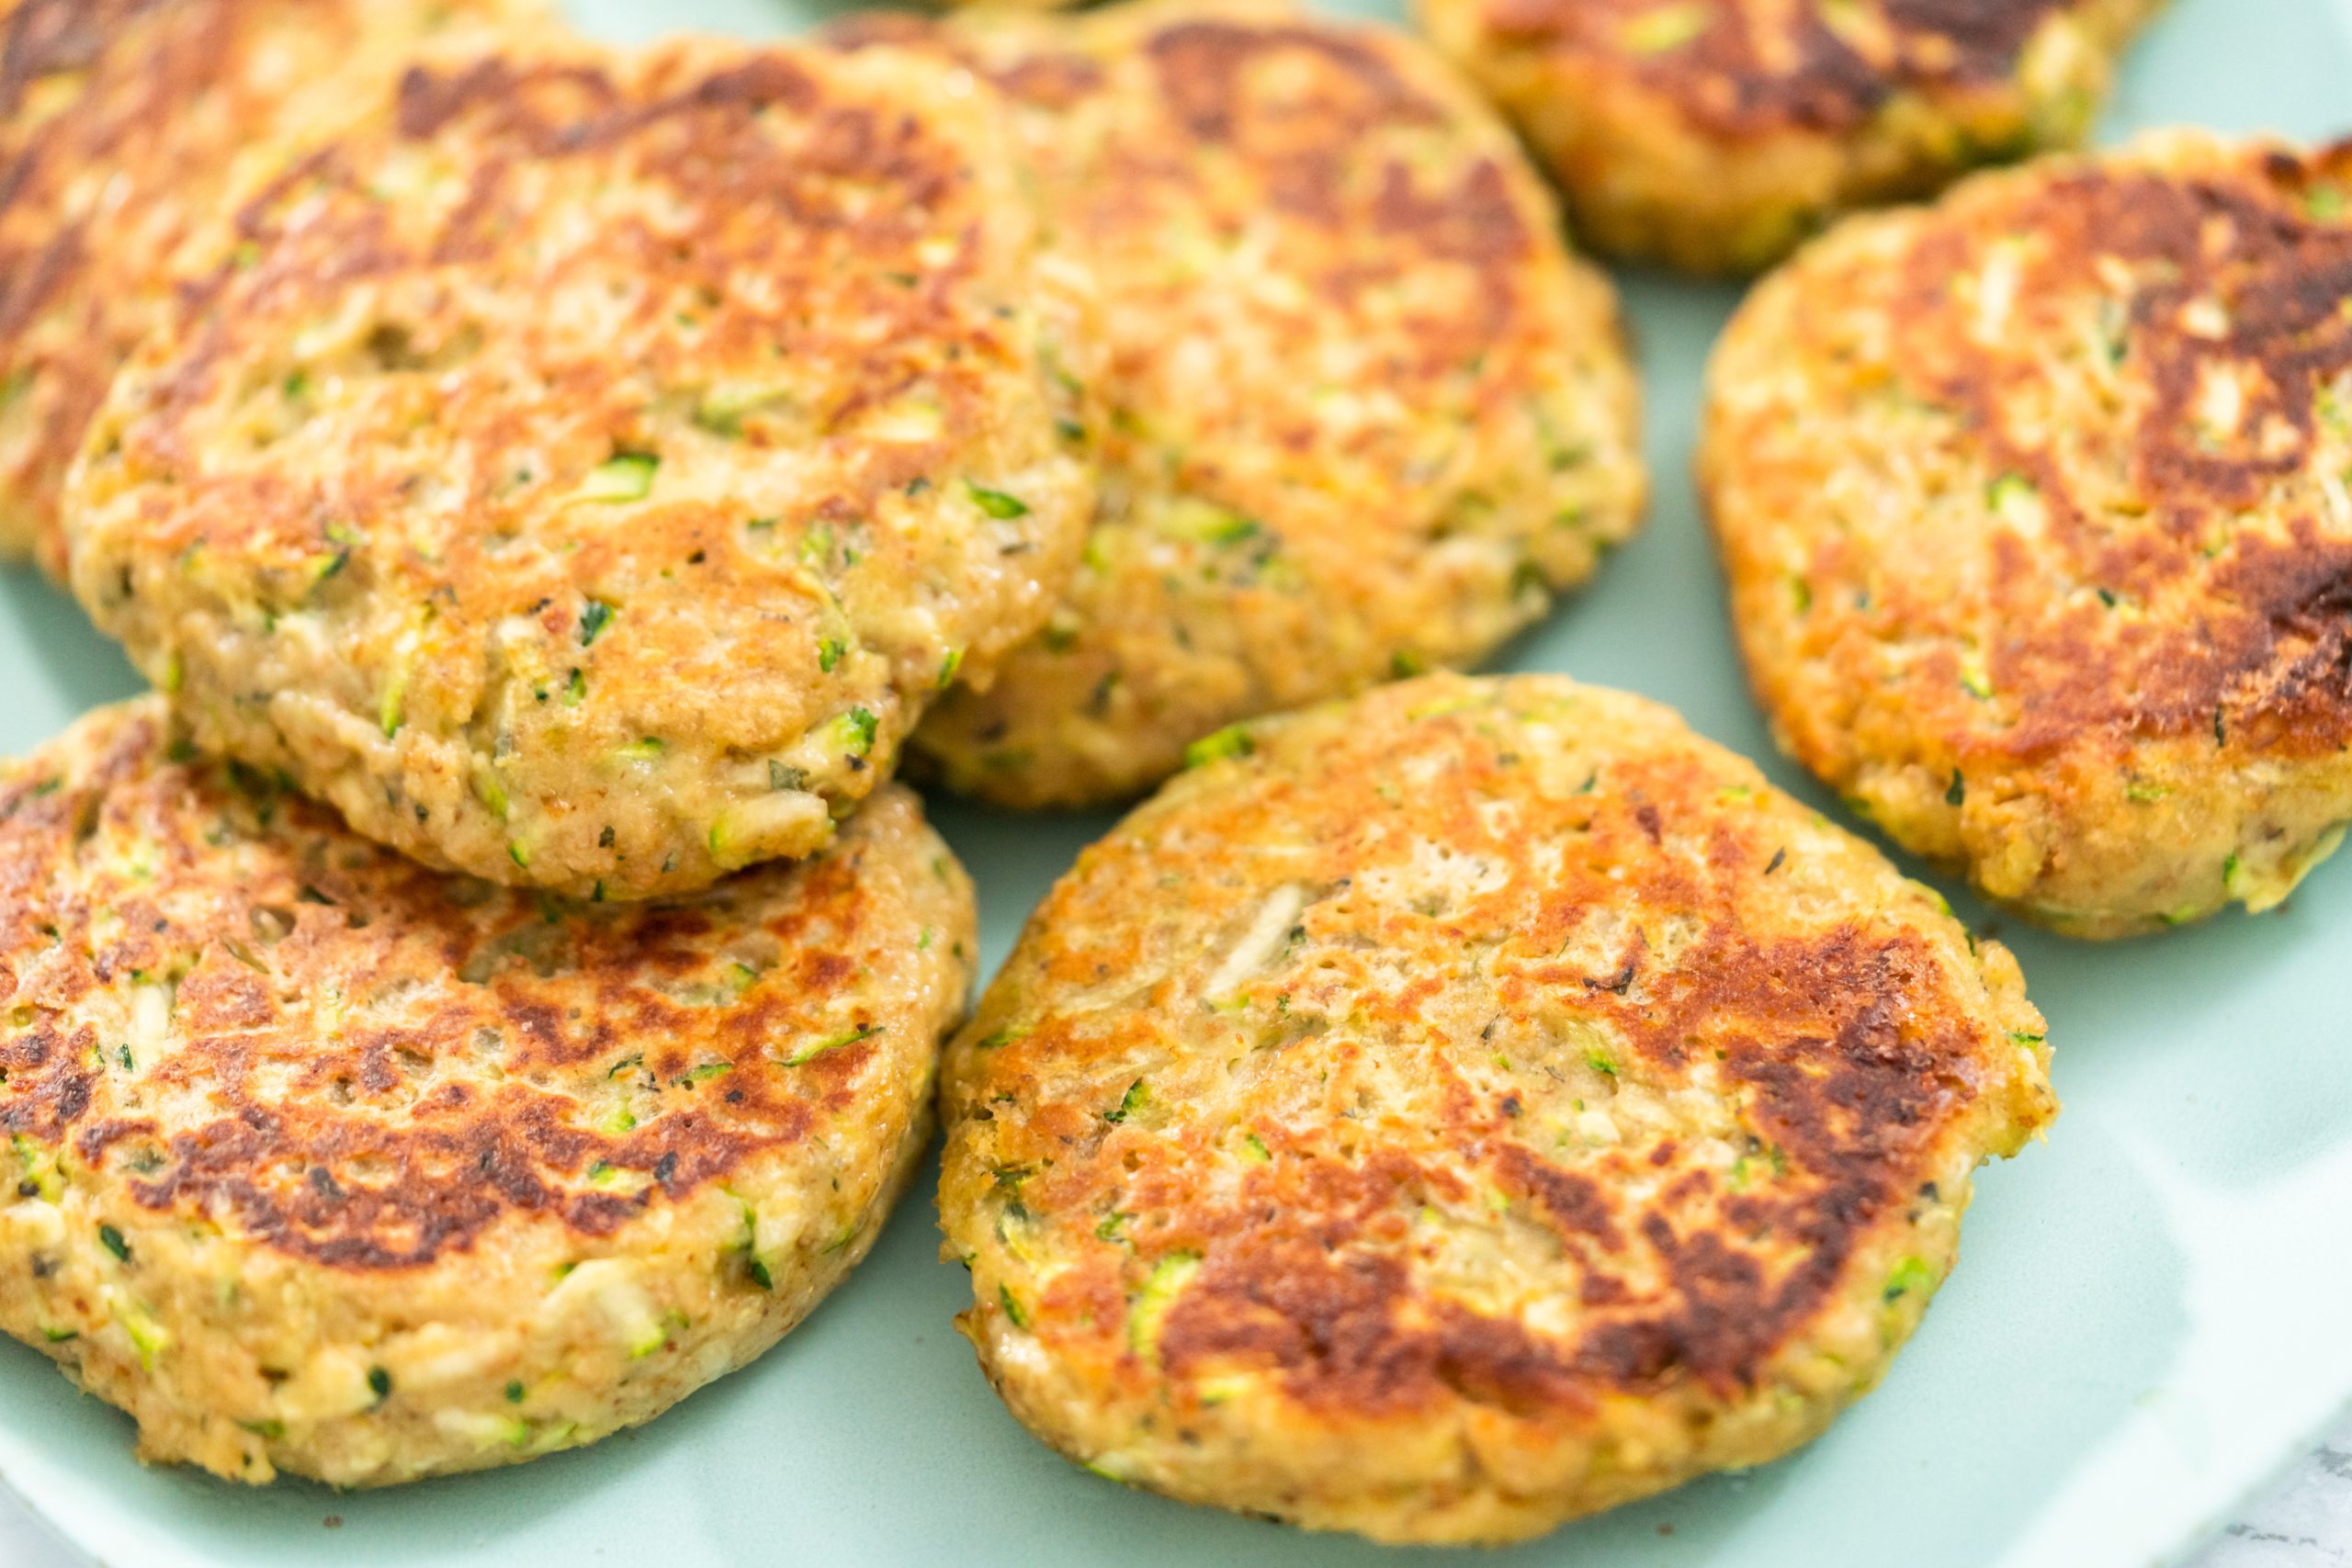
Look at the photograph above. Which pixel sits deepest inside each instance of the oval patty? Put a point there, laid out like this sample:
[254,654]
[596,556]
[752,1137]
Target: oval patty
[2033,505]
[583,474]
[1358,411]
[1714,135]
[318,1161]
[1448,1112]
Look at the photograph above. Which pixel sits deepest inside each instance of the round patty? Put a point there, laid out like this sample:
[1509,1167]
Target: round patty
[585,474]
[121,121]
[2033,505]
[1448,1112]
[318,1161]
[1714,135]
[1358,411]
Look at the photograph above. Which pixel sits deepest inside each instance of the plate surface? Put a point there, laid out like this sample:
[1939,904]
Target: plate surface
[2148,1318]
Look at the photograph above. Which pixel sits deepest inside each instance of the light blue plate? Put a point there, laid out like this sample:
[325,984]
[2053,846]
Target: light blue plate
[2151,1315]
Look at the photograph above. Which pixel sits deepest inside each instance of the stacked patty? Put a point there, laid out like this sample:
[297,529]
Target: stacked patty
[325,1162]
[1358,411]
[2034,510]
[120,122]
[1714,135]
[573,468]
[1502,1104]
[583,473]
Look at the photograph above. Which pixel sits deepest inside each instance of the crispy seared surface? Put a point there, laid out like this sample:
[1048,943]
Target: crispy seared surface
[2034,509]
[120,122]
[583,473]
[1359,410]
[1464,1108]
[1715,134]
[322,1161]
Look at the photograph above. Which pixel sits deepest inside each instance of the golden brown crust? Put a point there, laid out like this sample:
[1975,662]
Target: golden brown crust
[121,121]
[241,1045]
[1465,1107]
[1359,411]
[1714,134]
[2040,492]
[306,977]
[584,473]
[1752,70]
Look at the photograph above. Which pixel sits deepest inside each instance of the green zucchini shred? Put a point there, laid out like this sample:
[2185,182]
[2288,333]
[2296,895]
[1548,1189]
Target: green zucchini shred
[1234,740]
[854,731]
[1013,1311]
[811,1052]
[996,503]
[1911,1274]
[625,476]
[1138,1096]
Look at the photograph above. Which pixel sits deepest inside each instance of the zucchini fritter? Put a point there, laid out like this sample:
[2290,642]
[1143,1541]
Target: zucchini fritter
[2033,505]
[322,1162]
[583,473]
[1357,410]
[1714,135]
[1444,1114]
